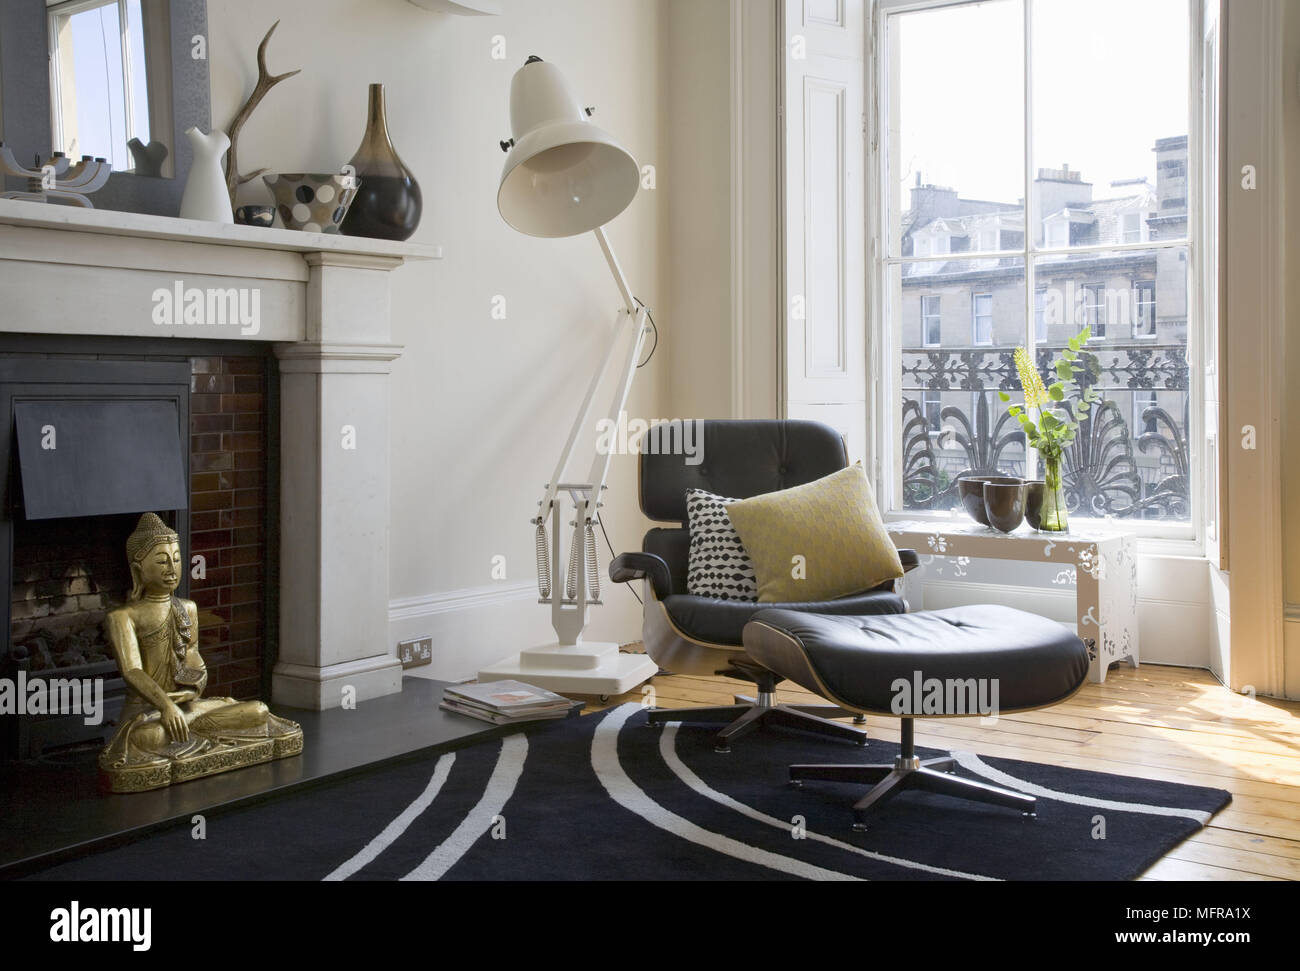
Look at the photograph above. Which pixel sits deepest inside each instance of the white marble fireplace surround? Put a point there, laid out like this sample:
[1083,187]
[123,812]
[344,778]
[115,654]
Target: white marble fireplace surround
[324,303]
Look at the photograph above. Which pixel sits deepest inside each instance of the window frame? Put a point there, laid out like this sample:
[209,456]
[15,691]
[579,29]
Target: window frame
[1124,231]
[975,316]
[1094,311]
[1155,536]
[1151,398]
[928,398]
[925,333]
[1051,222]
[1139,286]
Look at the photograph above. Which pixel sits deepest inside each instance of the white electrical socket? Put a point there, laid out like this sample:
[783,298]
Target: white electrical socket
[415,652]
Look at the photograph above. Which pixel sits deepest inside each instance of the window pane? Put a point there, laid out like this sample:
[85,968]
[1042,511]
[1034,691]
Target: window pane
[1130,459]
[982,310]
[947,197]
[1109,134]
[952,421]
[1144,322]
[1110,121]
[139,73]
[931,320]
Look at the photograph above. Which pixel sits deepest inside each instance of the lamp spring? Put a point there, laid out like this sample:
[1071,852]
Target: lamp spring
[593,572]
[543,562]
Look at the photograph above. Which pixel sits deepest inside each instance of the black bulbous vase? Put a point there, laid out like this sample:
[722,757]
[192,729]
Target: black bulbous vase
[388,202]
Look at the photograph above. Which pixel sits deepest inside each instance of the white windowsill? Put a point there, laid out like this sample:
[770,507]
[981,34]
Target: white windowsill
[1171,540]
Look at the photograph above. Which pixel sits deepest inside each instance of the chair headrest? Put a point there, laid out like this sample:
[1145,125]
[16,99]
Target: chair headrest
[740,458]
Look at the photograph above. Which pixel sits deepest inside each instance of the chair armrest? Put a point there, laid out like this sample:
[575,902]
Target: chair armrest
[909,559]
[627,567]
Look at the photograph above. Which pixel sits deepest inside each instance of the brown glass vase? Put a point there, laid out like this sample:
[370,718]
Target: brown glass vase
[388,202]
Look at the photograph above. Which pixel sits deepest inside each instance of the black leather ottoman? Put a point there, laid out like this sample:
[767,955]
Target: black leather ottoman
[958,662]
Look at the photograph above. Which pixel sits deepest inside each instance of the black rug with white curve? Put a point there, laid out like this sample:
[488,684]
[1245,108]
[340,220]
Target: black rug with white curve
[608,797]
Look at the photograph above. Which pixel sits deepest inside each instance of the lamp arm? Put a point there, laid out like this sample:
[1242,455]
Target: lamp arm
[584,412]
[569,601]
[629,301]
[569,613]
[600,462]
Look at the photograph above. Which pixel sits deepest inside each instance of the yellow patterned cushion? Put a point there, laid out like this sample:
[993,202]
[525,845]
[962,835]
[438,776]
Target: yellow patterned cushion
[817,541]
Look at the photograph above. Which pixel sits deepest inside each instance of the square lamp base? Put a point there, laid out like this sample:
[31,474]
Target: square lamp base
[586,668]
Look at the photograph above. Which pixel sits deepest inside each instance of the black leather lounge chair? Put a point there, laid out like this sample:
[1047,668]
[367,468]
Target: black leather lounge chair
[688,634]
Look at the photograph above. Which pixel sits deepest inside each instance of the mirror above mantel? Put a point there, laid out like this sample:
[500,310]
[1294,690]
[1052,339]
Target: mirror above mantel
[112,79]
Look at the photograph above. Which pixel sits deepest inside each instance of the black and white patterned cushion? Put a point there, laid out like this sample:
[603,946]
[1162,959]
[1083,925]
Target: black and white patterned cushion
[717,565]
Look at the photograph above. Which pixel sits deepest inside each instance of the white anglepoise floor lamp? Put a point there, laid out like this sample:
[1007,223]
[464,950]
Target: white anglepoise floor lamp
[565,176]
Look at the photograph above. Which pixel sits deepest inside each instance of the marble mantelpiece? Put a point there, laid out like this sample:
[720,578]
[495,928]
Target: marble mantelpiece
[323,300]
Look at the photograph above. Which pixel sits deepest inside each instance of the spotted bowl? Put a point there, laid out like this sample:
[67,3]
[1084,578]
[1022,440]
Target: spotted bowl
[312,202]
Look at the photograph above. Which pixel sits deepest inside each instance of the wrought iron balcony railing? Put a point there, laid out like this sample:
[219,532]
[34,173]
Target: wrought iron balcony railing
[1109,471]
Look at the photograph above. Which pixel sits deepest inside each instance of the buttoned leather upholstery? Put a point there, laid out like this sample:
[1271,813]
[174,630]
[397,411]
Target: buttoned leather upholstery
[856,660]
[737,459]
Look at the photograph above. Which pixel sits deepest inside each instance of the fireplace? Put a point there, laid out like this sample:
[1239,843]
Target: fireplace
[69,274]
[66,570]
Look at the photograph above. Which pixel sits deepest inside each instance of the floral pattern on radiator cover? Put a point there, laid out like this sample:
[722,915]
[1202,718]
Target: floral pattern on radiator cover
[1100,562]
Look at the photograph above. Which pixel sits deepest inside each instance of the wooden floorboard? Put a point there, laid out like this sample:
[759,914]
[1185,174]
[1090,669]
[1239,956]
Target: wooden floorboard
[1155,722]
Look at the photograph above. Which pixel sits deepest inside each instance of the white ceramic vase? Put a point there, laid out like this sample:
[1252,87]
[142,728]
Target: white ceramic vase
[205,190]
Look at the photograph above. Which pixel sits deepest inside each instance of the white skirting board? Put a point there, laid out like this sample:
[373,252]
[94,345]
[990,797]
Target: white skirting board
[475,627]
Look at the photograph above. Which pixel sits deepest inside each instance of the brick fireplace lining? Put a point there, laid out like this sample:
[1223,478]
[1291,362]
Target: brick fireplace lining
[229,414]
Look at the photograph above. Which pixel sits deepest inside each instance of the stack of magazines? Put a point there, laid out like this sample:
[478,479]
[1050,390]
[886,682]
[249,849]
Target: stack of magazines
[505,702]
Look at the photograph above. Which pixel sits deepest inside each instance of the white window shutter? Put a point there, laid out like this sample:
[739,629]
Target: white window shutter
[824,150]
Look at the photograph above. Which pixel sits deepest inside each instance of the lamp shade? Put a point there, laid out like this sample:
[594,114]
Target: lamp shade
[563,175]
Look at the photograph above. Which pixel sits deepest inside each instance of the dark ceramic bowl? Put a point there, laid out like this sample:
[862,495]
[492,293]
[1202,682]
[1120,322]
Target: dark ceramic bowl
[1004,504]
[1034,502]
[971,490]
[262,216]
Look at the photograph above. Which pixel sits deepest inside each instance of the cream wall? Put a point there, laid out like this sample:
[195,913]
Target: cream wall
[480,406]
[722,209]
[698,188]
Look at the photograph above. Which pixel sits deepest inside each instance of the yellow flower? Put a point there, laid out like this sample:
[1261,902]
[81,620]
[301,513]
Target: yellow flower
[1030,381]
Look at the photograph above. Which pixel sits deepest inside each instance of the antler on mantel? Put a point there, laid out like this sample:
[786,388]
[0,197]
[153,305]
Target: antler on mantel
[265,82]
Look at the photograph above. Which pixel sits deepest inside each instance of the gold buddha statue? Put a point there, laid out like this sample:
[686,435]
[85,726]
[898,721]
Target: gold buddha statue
[168,732]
